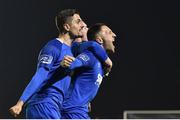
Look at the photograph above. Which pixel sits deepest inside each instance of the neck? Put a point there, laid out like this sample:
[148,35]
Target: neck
[78,40]
[66,39]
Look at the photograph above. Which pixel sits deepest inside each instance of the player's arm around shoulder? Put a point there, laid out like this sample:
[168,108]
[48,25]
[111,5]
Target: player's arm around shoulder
[101,54]
[81,60]
[67,61]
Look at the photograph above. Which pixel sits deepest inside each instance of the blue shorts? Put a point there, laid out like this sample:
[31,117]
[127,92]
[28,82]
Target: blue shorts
[82,115]
[44,110]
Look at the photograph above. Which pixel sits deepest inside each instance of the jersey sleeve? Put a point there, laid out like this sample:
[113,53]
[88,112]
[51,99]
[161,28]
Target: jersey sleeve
[36,81]
[46,60]
[47,57]
[92,46]
[84,59]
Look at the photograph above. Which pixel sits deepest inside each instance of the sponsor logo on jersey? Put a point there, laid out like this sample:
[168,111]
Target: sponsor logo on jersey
[84,57]
[46,59]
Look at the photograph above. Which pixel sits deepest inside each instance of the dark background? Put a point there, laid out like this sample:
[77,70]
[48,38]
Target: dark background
[146,68]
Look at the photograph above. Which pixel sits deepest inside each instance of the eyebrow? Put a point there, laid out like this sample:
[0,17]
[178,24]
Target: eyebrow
[78,20]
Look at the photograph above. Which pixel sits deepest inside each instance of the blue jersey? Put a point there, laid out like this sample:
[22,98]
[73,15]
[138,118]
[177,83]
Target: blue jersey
[87,79]
[96,48]
[51,81]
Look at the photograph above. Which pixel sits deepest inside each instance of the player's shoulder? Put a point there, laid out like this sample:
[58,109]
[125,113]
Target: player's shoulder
[93,43]
[53,45]
[88,58]
[91,55]
[88,55]
[88,52]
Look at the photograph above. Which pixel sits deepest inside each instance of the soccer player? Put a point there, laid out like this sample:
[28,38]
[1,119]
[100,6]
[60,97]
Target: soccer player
[81,43]
[88,74]
[45,92]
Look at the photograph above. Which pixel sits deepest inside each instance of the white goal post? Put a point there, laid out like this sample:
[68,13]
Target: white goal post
[151,114]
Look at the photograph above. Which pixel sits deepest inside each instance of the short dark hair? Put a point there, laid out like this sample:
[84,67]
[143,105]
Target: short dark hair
[62,17]
[94,30]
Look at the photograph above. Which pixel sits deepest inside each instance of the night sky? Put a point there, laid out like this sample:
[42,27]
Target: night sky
[146,71]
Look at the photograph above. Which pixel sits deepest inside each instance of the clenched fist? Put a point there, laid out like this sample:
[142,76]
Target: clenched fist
[16,109]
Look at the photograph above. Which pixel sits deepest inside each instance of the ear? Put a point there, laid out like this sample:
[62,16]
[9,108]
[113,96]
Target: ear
[66,27]
[99,40]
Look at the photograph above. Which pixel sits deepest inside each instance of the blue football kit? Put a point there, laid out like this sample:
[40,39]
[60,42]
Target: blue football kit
[45,92]
[48,87]
[85,84]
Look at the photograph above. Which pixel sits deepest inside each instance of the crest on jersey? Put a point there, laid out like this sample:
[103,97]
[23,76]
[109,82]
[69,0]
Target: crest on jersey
[46,59]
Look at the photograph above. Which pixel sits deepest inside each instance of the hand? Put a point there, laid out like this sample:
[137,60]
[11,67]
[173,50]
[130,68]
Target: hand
[66,62]
[107,67]
[89,107]
[106,71]
[16,109]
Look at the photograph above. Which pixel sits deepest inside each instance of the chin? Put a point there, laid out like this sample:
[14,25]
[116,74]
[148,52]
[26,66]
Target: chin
[77,36]
[110,51]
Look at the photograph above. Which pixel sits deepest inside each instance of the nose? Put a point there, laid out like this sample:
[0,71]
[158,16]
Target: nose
[83,24]
[114,36]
